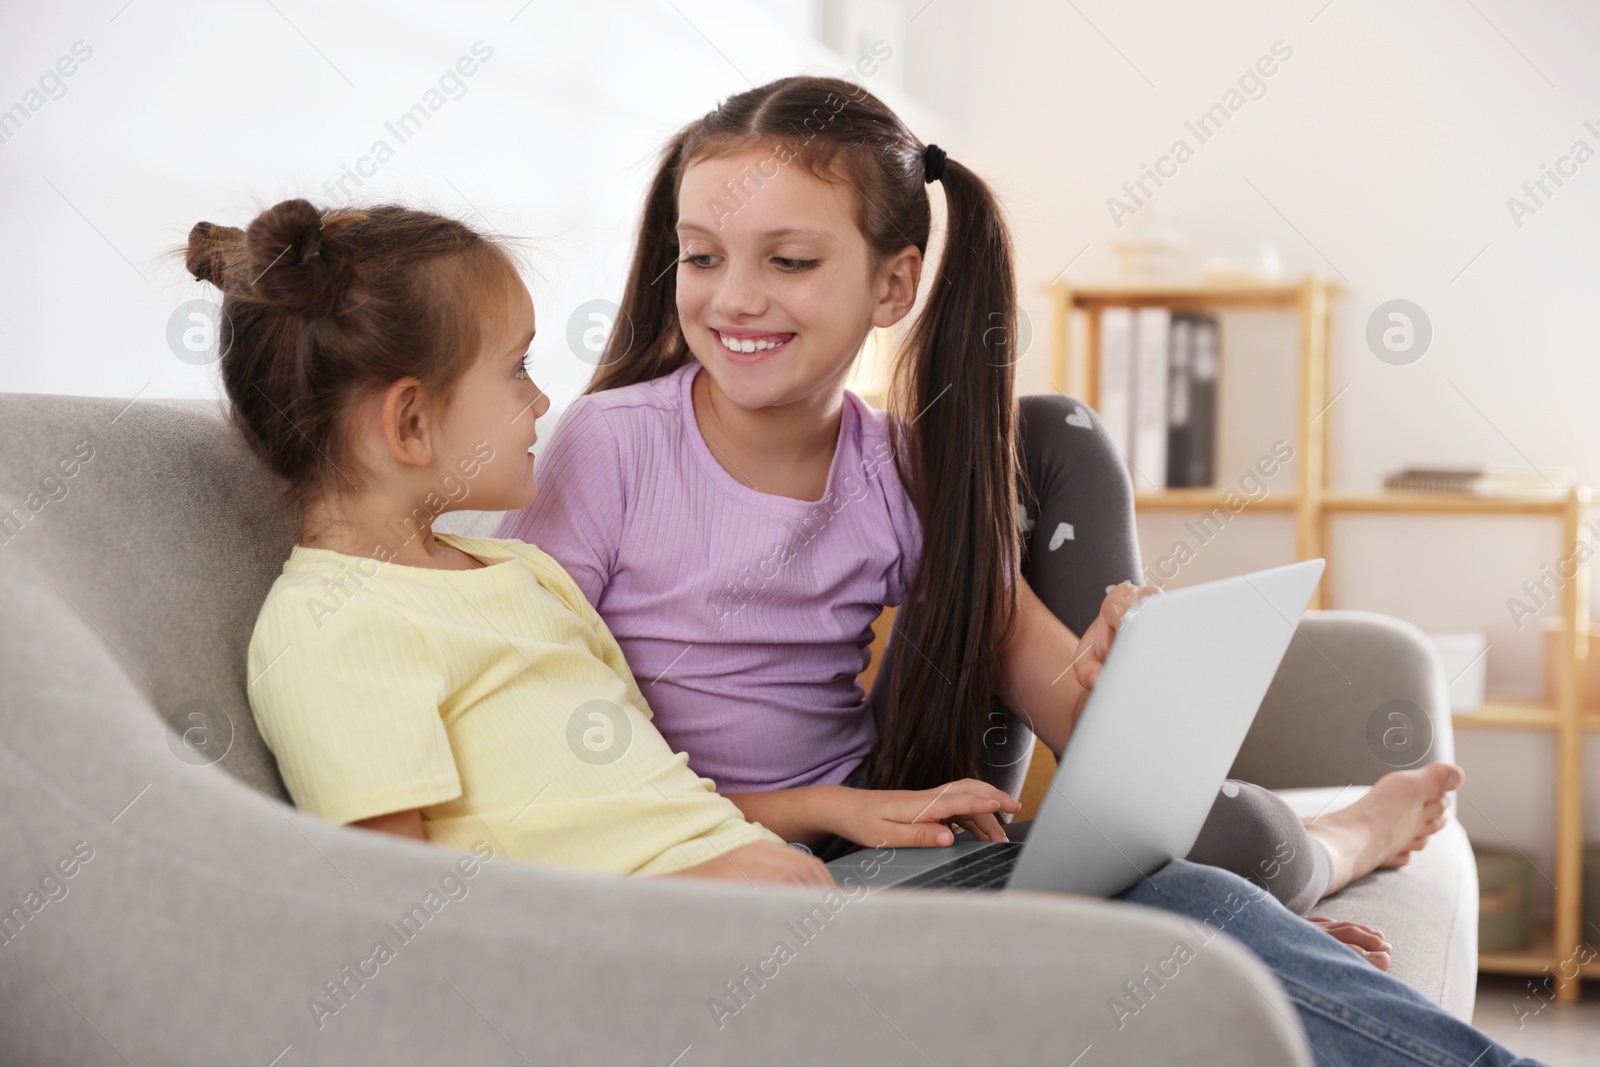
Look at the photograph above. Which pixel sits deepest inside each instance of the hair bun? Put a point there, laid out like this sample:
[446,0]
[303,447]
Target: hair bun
[292,263]
[213,250]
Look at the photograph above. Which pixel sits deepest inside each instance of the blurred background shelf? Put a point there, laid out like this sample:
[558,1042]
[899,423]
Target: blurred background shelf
[1311,505]
[1369,503]
[1532,960]
[1206,499]
[1453,503]
[1192,297]
[1509,713]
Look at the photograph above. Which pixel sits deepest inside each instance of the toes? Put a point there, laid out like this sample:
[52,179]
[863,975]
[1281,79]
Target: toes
[1427,835]
[1449,776]
[1436,779]
[1378,959]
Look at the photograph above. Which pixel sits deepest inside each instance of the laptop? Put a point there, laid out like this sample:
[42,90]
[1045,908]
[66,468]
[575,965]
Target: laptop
[1180,687]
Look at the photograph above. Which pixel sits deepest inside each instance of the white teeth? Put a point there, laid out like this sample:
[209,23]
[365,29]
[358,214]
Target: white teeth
[747,344]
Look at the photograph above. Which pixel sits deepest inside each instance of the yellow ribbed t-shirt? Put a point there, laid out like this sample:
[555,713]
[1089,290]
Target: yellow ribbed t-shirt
[494,699]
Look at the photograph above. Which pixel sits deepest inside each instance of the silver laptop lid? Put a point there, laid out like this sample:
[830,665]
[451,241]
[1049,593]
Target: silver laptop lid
[1180,687]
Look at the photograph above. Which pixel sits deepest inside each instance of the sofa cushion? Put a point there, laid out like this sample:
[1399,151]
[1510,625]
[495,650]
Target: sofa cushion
[1428,909]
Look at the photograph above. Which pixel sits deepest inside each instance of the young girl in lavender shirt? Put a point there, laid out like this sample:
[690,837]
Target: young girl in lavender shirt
[740,518]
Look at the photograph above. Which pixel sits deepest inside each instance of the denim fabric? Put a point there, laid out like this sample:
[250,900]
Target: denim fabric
[1350,1012]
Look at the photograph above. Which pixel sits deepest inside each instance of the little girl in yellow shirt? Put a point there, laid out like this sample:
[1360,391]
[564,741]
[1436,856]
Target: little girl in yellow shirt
[436,686]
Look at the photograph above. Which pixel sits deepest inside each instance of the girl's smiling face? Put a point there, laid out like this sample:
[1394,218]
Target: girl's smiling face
[776,288]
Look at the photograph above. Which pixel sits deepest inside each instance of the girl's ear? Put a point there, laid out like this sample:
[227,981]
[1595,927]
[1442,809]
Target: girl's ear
[897,286]
[407,423]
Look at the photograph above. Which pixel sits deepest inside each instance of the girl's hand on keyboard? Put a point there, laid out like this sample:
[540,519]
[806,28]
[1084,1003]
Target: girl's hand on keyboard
[1095,644]
[761,861]
[922,818]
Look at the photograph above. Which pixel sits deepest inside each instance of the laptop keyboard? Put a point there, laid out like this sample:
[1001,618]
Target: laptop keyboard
[987,868]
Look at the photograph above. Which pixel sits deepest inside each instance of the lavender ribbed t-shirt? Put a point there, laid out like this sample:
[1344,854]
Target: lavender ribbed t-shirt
[745,616]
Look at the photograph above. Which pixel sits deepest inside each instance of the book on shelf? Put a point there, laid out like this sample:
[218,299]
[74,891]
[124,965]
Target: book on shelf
[1151,333]
[1192,418]
[1490,480]
[1116,377]
[1158,394]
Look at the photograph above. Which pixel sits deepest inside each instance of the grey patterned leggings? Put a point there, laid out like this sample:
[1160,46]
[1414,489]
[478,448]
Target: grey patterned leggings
[1079,537]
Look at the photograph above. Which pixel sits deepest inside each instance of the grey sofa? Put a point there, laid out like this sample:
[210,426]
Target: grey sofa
[162,903]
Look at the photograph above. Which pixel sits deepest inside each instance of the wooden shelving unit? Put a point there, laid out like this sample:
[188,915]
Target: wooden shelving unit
[1313,503]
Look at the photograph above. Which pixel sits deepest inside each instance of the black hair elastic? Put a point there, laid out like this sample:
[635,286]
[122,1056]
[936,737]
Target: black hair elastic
[933,158]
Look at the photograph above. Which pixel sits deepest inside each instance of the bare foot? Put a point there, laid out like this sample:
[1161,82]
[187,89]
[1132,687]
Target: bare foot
[1394,819]
[1361,939]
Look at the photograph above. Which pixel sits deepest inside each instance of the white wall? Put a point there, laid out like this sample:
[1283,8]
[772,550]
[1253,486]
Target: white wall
[1383,151]
[187,111]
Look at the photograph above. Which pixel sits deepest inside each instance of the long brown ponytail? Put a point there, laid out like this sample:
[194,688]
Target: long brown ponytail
[954,425]
[958,461]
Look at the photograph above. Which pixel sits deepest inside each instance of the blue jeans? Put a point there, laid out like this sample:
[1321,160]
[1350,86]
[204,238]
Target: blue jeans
[1350,1011]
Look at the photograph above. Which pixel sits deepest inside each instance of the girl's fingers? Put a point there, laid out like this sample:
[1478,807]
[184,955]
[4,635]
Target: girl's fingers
[969,826]
[1103,631]
[965,797]
[1121,599]
[891,834]
[817,872]
[984,827]
[1111,607]
[931,835]
[918,818]
[1117,604]
[979,791]
[953,806]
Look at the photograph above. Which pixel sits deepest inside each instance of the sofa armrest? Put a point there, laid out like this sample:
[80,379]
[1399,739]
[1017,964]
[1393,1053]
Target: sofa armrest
[1357,695]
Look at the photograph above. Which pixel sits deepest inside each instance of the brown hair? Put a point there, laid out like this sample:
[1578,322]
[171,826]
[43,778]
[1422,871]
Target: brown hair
[954,429]
[323,307]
